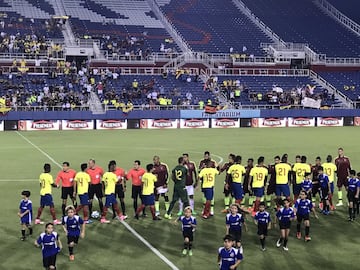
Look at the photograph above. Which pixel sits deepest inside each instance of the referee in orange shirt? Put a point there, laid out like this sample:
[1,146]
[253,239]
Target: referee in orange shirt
[66,177]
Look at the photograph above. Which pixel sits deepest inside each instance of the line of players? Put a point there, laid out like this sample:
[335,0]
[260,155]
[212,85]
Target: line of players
[233,184]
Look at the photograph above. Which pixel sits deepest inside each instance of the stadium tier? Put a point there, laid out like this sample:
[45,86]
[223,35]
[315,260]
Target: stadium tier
[40,90]
[346,82]
[276,90]
[304,22]
[349,8]
[113,22]
[214,26]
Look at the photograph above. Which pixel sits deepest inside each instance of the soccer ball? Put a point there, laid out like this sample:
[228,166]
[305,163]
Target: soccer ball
[95,214]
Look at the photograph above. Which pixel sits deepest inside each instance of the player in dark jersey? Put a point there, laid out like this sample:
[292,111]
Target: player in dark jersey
[315,180]
[271,185]
[213,164]
[353,189]
[207,158]
[249,166]
[343,167]
[227,182]
[190,183]
[161,170]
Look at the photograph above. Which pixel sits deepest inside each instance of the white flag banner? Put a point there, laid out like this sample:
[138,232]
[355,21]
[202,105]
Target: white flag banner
[311,103]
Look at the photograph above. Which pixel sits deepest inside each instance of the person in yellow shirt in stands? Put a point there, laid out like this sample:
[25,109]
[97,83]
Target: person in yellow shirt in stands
[236,172]
[81,188]
[258,175]
[300,168]
[109,180]
[282,170]
[46,183]
[135,84]
[148,186]
[207,176]
[330,170]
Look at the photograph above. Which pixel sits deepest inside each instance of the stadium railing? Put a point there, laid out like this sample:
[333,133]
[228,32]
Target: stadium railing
[146,107]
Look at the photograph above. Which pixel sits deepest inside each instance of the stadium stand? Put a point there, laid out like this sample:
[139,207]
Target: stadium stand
[151,89]
[273,90]
[136,28]
[346,82]
[304,22]
[349,8]
[129,25]
[214,26]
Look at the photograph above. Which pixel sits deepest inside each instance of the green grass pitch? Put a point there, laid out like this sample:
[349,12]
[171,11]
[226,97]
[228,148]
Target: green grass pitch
[111,246]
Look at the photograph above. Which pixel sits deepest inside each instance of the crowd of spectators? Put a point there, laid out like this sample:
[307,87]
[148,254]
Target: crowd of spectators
[26,36]
[235,90]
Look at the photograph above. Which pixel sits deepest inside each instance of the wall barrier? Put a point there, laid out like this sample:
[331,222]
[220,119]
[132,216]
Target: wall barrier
[177,114]
[152,119]
[198,123]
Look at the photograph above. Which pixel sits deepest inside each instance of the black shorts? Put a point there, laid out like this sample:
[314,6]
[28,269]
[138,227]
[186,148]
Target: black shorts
[74,239]
[284,225]
[236,234]
[271,187]
[51,260]
[324,193]
[302,217]
[67,192]
[189,234]
[245,185]
[262,229]
[119,191]
[95,190]
[351,196]
[315,189]
[309,195]
[135,192]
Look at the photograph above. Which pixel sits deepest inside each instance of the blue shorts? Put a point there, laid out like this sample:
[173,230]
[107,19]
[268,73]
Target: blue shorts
[237,190]
[296,189]
[46,200]
[258,192]
[208,193]
[84,199]
[148,199]
[26,219]
[332,186]
[282,189]
[110,199]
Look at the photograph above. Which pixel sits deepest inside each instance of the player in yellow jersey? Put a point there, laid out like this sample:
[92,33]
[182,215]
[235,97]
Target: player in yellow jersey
[148,186]
[282,170]
[46,183]
[258,176]
[81,188]
[299,169]
[330,170]
[236,172]
[109,181]
[207,176]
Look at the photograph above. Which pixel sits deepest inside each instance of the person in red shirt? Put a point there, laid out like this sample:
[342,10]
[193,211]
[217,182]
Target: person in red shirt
[343,167]
[66,177]
[120,187]
[135,174]
[95,187]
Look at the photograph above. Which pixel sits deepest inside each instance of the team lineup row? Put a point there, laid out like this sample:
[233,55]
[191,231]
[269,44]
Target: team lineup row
[152,184]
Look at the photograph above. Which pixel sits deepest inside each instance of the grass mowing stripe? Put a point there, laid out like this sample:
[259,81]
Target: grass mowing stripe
[130,229]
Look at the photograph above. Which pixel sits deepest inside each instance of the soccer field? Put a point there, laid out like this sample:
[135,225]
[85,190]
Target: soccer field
[335,241]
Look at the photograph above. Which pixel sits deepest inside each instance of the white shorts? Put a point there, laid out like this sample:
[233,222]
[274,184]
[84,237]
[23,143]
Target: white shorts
[161,190]
[190,190]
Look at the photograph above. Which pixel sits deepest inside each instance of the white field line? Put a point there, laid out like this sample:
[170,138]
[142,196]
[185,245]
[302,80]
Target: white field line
[17,180]
[136,234]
